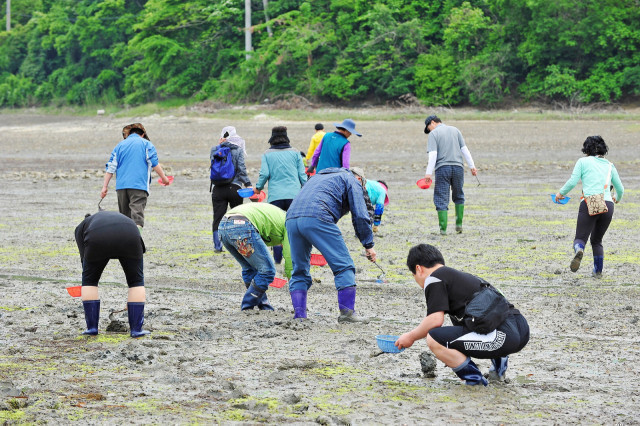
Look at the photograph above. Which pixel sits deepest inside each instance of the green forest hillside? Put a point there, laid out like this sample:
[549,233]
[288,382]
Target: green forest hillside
[444,52]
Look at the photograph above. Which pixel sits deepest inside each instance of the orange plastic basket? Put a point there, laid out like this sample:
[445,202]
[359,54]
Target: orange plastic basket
[75,291]
[278,283]
[318,260]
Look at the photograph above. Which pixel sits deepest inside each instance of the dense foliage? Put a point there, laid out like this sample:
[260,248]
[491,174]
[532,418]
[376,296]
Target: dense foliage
[446,52]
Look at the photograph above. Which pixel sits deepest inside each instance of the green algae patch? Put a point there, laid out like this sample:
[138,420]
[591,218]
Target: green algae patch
[322,403]
[335,370]
[112,339]
[271,404]
[234,415]
[11,416]
[14,308]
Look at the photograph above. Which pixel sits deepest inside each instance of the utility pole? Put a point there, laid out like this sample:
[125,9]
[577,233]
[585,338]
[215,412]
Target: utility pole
[8,15]
[247,28]
[266,17]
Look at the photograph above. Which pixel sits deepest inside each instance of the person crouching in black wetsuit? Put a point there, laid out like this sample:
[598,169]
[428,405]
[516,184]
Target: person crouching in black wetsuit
[101,237]
[448,290]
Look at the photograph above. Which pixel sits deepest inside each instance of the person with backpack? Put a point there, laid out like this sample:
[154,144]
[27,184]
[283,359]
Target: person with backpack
[283,169]
[227,174]
[449,291]
[132,161]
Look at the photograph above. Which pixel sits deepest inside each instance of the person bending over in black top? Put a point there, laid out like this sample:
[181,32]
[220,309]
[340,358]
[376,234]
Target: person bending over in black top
[447,291]
[101,237]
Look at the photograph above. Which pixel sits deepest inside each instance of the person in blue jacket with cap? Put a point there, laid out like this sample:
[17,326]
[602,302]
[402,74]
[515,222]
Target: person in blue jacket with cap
[312,222]
[335,149]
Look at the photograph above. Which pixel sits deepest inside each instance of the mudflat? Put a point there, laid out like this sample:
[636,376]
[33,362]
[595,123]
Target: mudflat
[208,362]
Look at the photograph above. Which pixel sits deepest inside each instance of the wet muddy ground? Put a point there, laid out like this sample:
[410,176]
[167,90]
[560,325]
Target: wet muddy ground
[208,362]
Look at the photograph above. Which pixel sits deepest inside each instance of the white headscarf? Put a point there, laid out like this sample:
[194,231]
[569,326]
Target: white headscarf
[233,137]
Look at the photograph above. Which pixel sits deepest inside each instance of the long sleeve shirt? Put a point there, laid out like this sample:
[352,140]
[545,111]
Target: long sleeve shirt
[269,220]
[284,171]
[331,194]
[132,161]
[313,145]
[592,171]
[338,150]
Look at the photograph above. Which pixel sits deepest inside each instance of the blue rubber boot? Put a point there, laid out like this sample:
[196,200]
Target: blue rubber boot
[346,303]
[252,297]
[299,302]
[498,368]
[264,304]
[277,254]
[578,250]
[598,264]
[217,244]
[470,373]
[135,310]
[91,316]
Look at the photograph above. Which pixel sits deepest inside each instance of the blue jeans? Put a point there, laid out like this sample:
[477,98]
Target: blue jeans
[244,243]
[305,232]
[448,179]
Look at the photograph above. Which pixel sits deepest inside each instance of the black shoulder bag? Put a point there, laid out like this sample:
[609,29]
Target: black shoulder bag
[486,310]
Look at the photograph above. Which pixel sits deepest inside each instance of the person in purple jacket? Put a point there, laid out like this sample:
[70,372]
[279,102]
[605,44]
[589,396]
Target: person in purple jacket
[335,149]
[132,161]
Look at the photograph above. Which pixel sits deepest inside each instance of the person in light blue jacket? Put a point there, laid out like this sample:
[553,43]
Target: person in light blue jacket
[282,167]
[597,175]
[132,161]
[377,191]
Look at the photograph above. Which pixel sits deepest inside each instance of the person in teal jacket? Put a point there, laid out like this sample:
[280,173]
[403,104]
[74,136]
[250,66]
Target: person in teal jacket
[597,174]
[377,191]
[246,231]
[282,167]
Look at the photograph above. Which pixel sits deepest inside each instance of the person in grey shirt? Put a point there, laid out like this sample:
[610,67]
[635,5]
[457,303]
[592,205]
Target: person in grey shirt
[446,148]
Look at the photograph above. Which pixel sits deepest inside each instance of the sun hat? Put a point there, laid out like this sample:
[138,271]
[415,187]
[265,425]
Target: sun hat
[126,130]
[319,126]
[428,121]
[349,125]
[279,136]
[358,171]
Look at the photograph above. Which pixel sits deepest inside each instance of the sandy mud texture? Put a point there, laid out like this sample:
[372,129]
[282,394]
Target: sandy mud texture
[208,362]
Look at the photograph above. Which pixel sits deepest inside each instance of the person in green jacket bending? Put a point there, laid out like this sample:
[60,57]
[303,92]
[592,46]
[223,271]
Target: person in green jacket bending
[246,231]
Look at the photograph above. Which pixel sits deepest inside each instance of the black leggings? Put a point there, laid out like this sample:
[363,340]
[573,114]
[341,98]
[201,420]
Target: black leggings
[133,270]
[594,226]
[221,196]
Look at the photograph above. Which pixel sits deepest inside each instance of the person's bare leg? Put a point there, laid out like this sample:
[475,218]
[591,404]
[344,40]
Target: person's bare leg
[136,294]
[451,357]
[89,292]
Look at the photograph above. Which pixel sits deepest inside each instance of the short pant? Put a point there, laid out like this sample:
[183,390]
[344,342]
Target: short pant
[510,337]
[133,270]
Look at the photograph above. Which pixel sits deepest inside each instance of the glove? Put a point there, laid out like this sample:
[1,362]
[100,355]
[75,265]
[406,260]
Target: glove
[375,228]
[377,215]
